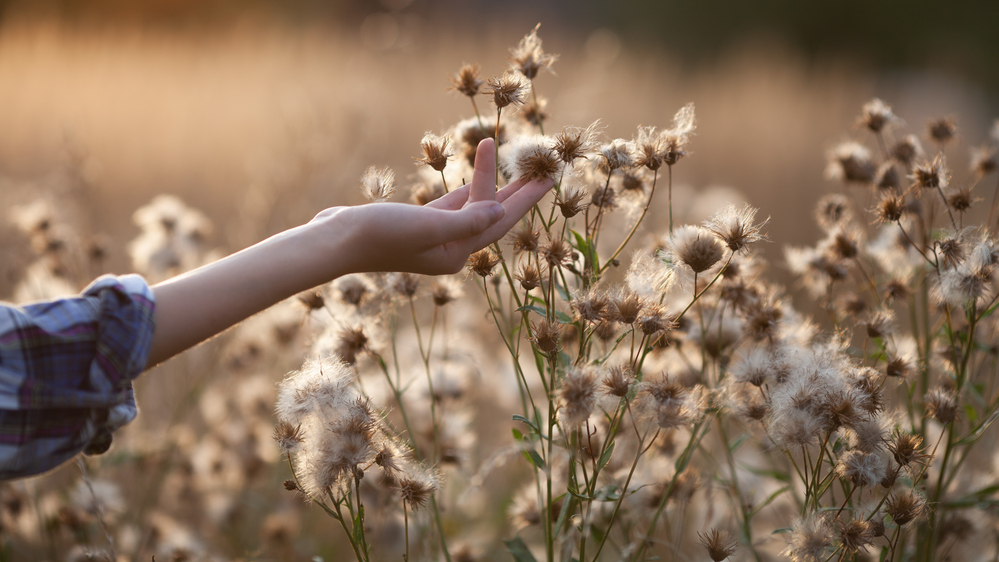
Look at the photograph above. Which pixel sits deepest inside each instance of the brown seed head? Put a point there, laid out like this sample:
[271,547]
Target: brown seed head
[444,293]
[509,89]
[547,335]
[941,405]
[615,155]
[907,150]
[618,380]
[573,143]
[290,485]
[592,306]
[735,228]
[570,200]
[625,307]
[851,162]
[650,148]
[899,366]
[930,175]
[577,396]
[539,163]
[655,320]
[482,262]
[854,534]
[529,277]
[524,238]
[695,247]
[404,284]
[891,207]
[467,81]
[983,160]
[535,111]
[436,151]
[313,300]
[876,115]
[378,184]
[905,507]
[416,489]
[887,176]
[288,436]
[352,341]
[833,210]
[879,323]
[941,130]
[556,252]
[719,544]
[906,448]
[528,57]
[960,199]
[604,197]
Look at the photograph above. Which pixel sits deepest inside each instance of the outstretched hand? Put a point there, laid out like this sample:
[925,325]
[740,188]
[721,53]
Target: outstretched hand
[438,237]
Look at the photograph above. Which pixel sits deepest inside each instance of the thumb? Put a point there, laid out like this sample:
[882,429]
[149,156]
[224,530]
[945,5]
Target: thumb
[468,222]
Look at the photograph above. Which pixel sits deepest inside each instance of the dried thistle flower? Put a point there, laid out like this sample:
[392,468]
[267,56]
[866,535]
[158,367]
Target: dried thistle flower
[524,238]
[417,485]
[404,284]
[535,111]
[833,210]
[719,544]
[604,197]
[735,228]
[941,405]
[389,458]
[509,89]
[899,366]
[288,436]
[879,323]
[378,184]
[655,320]
[851,162]
[531,157]
[890,208]
[592,306]
[528,57]
[960,199]
[810,539]
[863,469]
[906,150]
[547,336]
[905,507]
[876,115]
[467,81]
[615,155]
[573,143]
[675,139]
[931,175]
[650,148]
[351,342]
[436,151]
[983,160]
[941,130]
[887,176]
[556,252]
[618,380]
[445,291]
[529,277]
[906,448]
[482,262]
[855,534]
[577,396]
[626,306]
[695,247]
[570,200]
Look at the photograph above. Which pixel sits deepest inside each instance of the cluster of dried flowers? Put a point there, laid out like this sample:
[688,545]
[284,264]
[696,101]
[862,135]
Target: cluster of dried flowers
[674,405]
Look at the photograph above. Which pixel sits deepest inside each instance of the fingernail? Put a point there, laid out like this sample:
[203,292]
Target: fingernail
[496,211]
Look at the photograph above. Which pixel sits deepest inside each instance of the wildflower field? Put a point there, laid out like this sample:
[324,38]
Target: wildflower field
[754,319]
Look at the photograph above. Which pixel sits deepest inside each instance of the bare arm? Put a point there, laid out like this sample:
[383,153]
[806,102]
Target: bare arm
[433,239]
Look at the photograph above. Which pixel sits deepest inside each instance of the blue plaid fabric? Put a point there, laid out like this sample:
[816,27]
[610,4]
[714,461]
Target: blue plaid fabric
[66,370]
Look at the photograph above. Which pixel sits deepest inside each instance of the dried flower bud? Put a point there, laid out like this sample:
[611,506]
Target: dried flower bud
[417,486]
[573,143]
[907,150]
[735,228]
[941,130]
[851,162]
[695,247]
[983,160]
[720,545]
[529,277]
[436,151]
[941,405]
[378,184]
[556,252]
[931,175]
[905,507]
[876,115]
[509,89]
[535,112]
[482,262]
[906,448]
[615,155]
[887,176]
[528,57]
[891,207]
[467,81]
[288,436]
[577,396]
[547,335]
[570,200]
[960,199]
[618,380]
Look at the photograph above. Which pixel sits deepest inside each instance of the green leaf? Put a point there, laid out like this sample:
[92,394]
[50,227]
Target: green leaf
[520,418]
[771,498]
[562,317]
[980,430]
[581,243]
[536,459]
[783,530]
[606,457]
[735,445]
[519,550]
[517,434]
[776,475]
[561,516]
[884,554]
[972,414]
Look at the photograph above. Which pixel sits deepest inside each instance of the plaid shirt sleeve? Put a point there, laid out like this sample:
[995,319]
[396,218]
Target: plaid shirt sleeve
[66,370]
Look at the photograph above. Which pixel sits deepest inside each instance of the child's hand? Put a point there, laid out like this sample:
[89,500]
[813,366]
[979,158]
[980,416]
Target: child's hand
[438,237]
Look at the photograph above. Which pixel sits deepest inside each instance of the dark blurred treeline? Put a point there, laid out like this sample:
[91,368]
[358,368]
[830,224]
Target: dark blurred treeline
[959,38]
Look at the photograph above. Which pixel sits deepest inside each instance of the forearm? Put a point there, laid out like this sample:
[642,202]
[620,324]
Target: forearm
[195,306]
